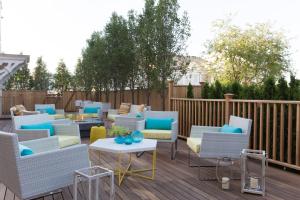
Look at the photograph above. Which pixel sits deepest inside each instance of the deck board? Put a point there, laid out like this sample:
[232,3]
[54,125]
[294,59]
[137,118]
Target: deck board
[174,180]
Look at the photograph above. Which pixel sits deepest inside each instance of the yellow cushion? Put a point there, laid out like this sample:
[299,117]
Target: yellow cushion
[66,140]
[97,132]
[90,115]
[157,134]
[112,117]
[59,116]
[194,144]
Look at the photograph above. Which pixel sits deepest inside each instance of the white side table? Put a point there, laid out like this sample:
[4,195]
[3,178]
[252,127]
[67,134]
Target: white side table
[90,174]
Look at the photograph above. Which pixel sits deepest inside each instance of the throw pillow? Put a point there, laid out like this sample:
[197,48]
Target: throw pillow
[159,123]
[231,129]
[24,150]
[124,108]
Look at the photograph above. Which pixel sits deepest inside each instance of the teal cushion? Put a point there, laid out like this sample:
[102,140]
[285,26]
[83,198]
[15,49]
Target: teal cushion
[49,110]
[90,110]
[46,125]
[139,115]
[230,129]
[24,150]
[159,124]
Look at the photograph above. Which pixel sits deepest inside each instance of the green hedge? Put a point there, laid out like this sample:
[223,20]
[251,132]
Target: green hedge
[269,90]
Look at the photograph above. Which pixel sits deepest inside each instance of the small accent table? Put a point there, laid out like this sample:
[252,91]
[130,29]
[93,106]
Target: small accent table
[109,145]
[90,174]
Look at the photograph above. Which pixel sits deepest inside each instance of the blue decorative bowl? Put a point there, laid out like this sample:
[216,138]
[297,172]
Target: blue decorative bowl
[119,139]
[128,139]
[137,136]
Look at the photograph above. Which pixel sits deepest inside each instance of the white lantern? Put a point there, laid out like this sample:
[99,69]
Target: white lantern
[253,166]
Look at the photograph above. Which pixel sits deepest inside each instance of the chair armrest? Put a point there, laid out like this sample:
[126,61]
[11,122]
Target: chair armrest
[60,111]
[197,131]
[71,129]
[113,111]
[174,130]
[140,125]
[218,144]
[32,134]
[43,144]
[54,167]
[26,112]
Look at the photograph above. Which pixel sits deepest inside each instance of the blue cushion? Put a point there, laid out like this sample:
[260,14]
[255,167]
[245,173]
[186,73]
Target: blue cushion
[230,129]
[49,110]
[46,125]
[159,124]
[139,115]
[90,110]
[24,150]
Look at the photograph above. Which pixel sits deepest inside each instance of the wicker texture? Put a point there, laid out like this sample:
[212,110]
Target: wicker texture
[216,144]
[42,172]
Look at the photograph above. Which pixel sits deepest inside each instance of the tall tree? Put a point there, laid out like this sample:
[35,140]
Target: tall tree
[247,55]
[41,76]
[119,50]
[171,33]
[62,78]
[146,41]
[21,80]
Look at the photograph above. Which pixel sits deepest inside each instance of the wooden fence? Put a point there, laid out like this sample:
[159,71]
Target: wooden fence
[275,127]
[67,99]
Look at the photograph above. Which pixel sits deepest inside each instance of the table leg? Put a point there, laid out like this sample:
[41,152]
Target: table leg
[97,189]
[112,186]
[90,189]
[75,187]
[153,163]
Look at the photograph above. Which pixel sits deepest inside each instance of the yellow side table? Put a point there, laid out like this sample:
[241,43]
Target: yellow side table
[97,132]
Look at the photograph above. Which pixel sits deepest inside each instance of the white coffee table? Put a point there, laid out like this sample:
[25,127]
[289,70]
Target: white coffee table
[109,145]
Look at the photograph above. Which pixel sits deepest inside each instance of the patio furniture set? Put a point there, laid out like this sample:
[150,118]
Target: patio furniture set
[56,152]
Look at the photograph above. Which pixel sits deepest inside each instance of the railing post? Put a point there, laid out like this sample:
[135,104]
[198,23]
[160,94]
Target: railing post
[202,83]
[228,98]
[170,93]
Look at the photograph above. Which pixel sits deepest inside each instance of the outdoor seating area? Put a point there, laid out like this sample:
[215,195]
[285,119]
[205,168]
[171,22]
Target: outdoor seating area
[174,179]
[149,100]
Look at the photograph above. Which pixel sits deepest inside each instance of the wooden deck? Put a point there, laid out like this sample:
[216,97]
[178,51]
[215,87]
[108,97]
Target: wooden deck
[175,180]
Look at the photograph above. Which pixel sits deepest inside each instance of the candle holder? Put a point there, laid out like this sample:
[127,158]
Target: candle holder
[253,166]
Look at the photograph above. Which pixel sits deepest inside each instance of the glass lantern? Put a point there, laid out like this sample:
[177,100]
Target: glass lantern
[253,166]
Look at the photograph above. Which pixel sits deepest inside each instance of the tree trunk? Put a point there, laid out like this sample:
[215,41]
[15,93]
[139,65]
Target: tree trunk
[107,95]
[132,96]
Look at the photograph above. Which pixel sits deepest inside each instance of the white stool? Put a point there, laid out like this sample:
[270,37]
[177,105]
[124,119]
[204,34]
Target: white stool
[90,174]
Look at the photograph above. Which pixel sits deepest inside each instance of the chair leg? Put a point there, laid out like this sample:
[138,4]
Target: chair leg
[173,150]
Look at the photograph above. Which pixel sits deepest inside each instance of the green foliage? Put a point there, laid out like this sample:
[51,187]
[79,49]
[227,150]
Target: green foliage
[269,90]
[62,78]
[247,55]
[21,80]
[218,90]
[190,93]
[283,90]
[119,130]
[41,76]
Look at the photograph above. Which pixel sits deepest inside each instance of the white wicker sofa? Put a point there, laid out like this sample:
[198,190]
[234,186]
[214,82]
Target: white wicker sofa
[48,169]
[59,113]
[68,132]
[113,114]
[169,136]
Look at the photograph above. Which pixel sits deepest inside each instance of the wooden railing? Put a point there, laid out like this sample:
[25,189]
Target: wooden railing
[275,127]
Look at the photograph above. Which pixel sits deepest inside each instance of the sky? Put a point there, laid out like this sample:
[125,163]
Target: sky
[58,29]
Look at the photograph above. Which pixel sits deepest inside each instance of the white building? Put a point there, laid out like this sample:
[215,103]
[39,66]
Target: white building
[196,72]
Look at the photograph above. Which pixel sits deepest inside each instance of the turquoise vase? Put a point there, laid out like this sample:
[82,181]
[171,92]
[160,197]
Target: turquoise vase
[119,139]
[137,136]
[128,139]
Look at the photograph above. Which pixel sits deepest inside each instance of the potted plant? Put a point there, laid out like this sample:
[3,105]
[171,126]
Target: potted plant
[122,134]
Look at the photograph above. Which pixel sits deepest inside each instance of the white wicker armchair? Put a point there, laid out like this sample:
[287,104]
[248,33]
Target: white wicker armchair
[48,169]
[209,143]
[156,134]
[68,132]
